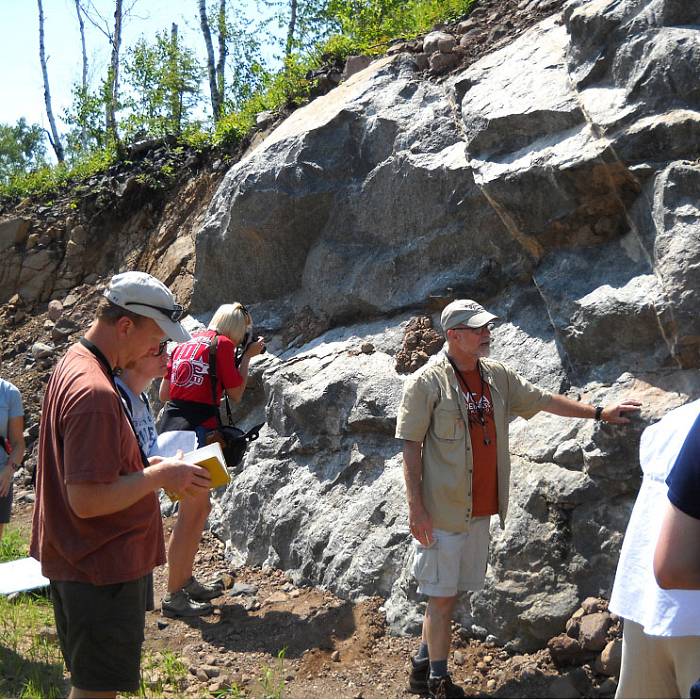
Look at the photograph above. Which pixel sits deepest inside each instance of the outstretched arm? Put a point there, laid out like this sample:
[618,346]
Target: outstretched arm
[612,413]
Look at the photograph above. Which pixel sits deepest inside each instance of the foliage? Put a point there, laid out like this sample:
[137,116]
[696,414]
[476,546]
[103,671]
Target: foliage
[50,179]
[162,83]
[22,148]
[13,545]
[288,87]
[163,79]
[86,117]
[272,677]
[371,24]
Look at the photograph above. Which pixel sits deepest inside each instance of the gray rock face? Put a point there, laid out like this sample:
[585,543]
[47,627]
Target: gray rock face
[322,202]
[555,181]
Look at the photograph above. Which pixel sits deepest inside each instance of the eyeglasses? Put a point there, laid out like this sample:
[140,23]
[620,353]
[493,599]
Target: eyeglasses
[487,327]
[174,314]
[161,348]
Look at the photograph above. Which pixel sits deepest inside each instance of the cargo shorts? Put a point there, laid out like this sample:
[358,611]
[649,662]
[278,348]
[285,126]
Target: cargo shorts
[454,561]
[101,631]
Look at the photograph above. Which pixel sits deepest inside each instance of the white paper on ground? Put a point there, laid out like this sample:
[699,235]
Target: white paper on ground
[173,440]
[21,575]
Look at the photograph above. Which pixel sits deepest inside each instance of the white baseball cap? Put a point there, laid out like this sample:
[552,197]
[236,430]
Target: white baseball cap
[145,295]
[467,312]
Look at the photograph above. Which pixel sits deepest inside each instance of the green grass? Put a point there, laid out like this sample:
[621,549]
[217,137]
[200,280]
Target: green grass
[30,658]
[162,673]
[13,545]
[272,677]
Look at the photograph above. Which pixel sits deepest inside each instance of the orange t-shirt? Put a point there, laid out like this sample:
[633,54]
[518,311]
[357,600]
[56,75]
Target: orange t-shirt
[85,437]
[483,439]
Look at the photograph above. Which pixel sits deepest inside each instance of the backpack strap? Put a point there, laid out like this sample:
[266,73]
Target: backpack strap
[213,380]
[126,398]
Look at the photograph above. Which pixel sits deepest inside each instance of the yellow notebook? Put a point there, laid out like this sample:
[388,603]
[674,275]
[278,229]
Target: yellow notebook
[212,459]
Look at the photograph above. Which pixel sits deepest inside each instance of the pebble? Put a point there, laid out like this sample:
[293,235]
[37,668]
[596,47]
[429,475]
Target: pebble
[244,589]
[335,656]
[491,684]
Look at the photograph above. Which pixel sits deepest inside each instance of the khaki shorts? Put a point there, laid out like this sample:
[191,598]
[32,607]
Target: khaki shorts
[454,562]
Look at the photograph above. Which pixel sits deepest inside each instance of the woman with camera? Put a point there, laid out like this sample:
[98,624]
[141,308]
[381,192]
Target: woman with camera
[192,404]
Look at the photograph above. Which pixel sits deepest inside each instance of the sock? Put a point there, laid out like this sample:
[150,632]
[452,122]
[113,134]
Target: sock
[438,669]
[422,654]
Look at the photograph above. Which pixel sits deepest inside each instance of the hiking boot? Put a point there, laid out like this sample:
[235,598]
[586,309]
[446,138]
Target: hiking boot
[443,687]
[179,604]
[418,680]
[203,592]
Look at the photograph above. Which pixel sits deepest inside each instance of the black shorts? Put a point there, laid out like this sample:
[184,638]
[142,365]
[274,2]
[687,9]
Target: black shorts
[6,507]
[100,629]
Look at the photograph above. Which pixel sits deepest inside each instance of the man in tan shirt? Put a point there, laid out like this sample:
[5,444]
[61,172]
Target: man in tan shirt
[453,419]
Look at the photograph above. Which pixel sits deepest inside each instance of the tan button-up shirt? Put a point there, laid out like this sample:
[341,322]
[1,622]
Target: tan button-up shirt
[433,412]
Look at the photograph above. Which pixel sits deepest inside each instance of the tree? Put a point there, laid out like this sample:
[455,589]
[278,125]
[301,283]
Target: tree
[22,148]
[83,90]
[223,32]
[163,79]
[54,138]
[216,98]
[291,27]
[112,82]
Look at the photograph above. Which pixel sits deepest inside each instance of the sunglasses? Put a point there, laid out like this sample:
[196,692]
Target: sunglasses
[174,314]
[162,346]
[489,327]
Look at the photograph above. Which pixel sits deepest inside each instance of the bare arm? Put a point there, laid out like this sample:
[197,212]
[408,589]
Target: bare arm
[89,500]
[164,390]
[612,413]
[16,436]
[677,555]
[255,348]
[419,520]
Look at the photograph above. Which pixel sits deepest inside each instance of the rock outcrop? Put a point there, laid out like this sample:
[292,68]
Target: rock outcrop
[554,180]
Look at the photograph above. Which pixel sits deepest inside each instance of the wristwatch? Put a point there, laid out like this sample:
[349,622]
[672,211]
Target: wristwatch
[598,413]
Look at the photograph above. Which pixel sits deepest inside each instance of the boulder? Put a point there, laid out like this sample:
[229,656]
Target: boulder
[354,64]
[565,650]
[13,232]
[593,631]
[610,659]
[438,42]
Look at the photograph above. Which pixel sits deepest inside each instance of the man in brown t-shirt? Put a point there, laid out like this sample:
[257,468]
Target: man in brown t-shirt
[96,527]
[453,419]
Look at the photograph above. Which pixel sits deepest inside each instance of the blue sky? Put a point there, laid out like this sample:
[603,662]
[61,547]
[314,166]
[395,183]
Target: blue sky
[21,88]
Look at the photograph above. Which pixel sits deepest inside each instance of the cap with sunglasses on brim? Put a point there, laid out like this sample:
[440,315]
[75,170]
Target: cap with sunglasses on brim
[465,312]
[145,295]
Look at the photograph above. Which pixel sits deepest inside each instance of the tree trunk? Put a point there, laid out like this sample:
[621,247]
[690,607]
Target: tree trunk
[223,36]
[112,95]
[54,138]
[83,83]
[79,12]
[177,88]
[211,70]
[291,28]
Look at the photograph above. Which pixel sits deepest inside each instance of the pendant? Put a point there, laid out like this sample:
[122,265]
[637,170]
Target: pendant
[487,441]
